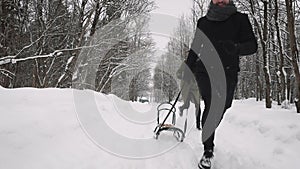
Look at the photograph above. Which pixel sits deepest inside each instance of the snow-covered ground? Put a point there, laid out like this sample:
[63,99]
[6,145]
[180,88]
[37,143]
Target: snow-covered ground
[55,129]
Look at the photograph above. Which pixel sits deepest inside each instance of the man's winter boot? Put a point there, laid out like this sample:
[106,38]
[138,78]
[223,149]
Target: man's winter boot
[205,161]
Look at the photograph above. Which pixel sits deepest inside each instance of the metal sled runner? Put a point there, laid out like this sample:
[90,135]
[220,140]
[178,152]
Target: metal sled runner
[178,133]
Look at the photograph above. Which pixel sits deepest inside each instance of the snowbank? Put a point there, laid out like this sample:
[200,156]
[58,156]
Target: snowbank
[40,128]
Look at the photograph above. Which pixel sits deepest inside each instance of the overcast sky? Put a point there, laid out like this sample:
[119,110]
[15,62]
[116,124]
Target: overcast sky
[173,7]
[165,18]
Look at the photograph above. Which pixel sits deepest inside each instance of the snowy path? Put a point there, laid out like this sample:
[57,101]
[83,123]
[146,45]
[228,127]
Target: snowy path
[40,129]
[253,137]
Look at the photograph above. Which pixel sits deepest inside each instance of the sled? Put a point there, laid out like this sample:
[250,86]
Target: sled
[178,133]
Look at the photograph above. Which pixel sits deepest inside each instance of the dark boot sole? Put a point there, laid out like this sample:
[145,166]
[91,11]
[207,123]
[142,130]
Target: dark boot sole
[201,167]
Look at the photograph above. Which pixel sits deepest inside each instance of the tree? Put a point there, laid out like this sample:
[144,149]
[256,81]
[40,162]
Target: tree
[52,34]
[198,10]
[266,66]
[13,34]
[282,73]
[165,85]
[294,50]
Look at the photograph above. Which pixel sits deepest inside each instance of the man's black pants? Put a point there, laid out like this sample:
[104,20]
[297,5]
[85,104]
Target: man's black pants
[205,90]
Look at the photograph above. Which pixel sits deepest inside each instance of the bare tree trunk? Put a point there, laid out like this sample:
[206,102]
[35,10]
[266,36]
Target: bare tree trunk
[266,59]
[278,84]
[294,50]
[281,63]
[259,84]
[96,18]
[275,86]
[288,85]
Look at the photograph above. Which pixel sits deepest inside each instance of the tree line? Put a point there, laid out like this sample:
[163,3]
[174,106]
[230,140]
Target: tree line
[105,45]
[66,43]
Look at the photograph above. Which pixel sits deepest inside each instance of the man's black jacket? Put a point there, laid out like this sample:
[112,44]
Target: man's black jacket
[231,38]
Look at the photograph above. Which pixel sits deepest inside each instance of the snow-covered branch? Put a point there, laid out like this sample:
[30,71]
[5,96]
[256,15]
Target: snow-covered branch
[7,73]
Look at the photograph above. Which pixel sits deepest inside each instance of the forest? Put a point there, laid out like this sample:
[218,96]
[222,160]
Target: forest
[106,46]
